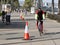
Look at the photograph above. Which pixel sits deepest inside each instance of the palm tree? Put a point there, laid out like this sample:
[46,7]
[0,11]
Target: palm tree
[14,3]
[59,6]
[53,7]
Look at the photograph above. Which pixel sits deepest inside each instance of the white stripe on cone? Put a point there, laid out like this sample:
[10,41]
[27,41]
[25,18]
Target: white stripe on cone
[26,29]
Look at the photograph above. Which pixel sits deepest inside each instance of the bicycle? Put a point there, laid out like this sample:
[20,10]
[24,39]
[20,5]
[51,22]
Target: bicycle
[40,27]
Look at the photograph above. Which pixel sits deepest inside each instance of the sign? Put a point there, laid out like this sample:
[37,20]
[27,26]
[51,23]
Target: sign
[32,10]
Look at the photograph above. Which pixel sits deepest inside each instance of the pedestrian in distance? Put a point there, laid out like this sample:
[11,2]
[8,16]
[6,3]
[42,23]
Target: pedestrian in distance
[25,11]
[8,15]
[3,16]
[21,15]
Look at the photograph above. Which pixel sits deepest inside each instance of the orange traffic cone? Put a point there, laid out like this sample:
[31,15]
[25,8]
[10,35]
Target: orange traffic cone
[26,34]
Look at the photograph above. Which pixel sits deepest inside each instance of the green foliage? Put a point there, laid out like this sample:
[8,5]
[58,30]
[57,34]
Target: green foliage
[13,2]
[0,14]
[28,4]
[16,4]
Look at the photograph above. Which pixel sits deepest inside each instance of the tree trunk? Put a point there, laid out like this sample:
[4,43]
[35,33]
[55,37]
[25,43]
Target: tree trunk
[53,7]
[0,5]
[39,3]
[59,6]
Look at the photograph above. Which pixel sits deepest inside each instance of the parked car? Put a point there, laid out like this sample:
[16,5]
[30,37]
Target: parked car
[49,10]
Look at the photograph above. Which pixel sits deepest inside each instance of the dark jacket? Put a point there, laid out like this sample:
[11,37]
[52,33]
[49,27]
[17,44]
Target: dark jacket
[40,17]
[3,13]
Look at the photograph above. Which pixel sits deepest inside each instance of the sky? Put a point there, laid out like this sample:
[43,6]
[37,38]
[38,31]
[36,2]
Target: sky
[56,1]
[21,2]
[50,1]
[44,1]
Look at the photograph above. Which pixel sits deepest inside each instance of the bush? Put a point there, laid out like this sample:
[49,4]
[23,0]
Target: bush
[0,14]
[50,16]
[54,17]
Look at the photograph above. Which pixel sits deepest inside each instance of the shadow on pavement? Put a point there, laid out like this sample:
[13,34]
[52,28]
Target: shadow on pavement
[18,38]
[53,33]
[9,34]
[30,41]
[14,38]
[13,25]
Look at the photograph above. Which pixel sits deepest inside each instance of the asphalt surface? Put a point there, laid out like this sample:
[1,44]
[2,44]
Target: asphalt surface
[13,34]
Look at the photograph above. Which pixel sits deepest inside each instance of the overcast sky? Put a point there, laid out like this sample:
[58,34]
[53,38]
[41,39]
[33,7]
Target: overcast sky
[21,2]
[44,1]
[56,1]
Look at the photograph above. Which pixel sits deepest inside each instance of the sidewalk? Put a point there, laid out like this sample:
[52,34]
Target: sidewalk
[51,25]
[15,36]
[51,36]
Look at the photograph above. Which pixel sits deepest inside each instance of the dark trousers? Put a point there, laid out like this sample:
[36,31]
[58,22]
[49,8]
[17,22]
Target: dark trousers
[41,22]
[3,18]
[8,18]
[40,26]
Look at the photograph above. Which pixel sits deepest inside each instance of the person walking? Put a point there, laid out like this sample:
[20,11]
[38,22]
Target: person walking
[3,16]
[8,15]
[22,15]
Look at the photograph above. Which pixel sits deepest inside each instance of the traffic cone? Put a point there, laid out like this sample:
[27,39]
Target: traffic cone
[26,34]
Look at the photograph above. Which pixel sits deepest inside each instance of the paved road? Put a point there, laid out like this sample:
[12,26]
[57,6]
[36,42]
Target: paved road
[13,34]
